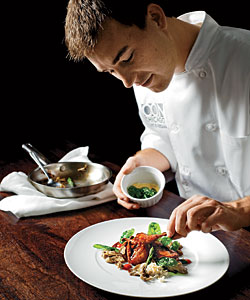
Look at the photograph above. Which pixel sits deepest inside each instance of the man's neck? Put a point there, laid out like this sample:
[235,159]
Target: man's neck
[184,35]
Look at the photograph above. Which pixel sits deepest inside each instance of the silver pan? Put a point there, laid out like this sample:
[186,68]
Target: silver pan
[89,178]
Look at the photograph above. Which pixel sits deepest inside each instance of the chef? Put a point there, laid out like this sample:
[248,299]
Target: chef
[191,79]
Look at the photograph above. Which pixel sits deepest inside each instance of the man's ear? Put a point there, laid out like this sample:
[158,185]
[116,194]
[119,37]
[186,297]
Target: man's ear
[156,14]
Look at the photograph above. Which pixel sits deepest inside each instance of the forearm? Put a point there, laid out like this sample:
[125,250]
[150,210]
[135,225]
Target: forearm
[152,157]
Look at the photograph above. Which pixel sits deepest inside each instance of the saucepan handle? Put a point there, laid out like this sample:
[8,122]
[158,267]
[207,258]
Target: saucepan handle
[33,152]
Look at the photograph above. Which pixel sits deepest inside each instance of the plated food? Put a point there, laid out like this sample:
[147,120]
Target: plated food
[150,255]
[209,257]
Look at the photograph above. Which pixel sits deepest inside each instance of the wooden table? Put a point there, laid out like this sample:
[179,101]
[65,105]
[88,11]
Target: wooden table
[32,265]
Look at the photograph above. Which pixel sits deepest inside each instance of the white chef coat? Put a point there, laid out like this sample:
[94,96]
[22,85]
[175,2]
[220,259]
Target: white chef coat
[201,122]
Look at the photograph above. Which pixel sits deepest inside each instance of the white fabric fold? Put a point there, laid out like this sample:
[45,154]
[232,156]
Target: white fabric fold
[30,202]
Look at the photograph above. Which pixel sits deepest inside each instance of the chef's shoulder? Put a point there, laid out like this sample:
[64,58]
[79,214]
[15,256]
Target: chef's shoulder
[231,57]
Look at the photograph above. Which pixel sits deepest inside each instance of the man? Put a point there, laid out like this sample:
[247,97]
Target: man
[192,84]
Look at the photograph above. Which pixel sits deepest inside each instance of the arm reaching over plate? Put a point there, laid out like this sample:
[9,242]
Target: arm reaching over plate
[207,215]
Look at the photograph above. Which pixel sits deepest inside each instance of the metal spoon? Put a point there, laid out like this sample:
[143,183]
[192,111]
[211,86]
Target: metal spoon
[33,155]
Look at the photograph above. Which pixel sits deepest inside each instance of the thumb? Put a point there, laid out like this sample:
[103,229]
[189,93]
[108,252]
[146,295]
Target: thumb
[129,166]
[211,223]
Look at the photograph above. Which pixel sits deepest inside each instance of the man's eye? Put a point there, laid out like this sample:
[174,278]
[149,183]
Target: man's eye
[129,59]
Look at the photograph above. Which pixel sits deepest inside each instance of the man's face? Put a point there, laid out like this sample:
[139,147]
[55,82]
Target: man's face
[142,57]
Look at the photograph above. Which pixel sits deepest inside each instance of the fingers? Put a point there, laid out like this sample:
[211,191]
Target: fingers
[176,236]
[128,204]
[195,213]
[171,225]
[117,187]
[128,167]
[178,219]
[214,222]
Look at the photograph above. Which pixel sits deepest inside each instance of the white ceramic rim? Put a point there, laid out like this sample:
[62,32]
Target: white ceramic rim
[159,193]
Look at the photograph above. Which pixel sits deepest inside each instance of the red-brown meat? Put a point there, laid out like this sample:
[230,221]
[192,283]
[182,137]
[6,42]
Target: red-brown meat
[137,248]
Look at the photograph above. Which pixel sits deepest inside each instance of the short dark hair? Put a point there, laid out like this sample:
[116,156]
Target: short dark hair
[85,18]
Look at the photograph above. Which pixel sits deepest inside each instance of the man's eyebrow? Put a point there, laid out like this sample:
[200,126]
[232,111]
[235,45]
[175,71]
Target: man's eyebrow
[119,54]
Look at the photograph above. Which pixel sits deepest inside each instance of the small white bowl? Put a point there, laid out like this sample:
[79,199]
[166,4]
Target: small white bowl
[144,174]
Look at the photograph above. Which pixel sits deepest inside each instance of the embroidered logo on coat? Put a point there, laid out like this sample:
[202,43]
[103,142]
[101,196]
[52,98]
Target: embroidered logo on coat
[154,114]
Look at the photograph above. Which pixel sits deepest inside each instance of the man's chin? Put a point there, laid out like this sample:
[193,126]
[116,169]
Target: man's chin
[158,88]
[161,85]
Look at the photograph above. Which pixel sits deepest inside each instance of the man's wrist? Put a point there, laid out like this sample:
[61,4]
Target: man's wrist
[152,157]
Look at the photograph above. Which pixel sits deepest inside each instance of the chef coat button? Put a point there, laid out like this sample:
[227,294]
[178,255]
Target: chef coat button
[186,186]
[203,74]
[211,127]
[175,128]
[185,170]
[222,171]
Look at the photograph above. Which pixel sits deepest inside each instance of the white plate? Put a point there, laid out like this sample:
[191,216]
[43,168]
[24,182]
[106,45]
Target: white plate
[209,257]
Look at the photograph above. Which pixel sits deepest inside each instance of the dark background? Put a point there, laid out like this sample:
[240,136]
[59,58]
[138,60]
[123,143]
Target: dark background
[48,100]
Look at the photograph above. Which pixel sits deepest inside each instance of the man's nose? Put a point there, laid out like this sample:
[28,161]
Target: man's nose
[125,77]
